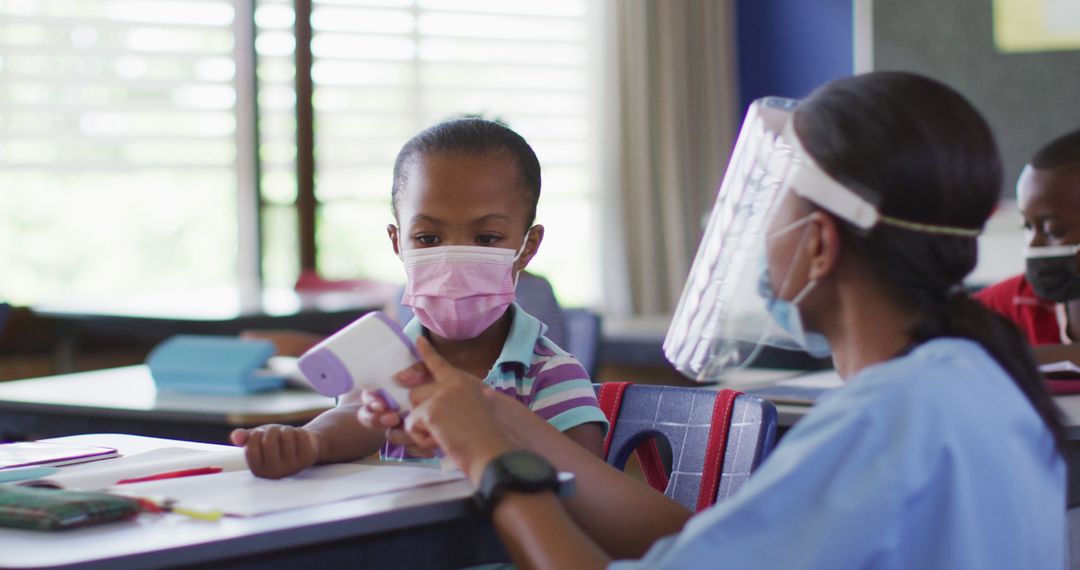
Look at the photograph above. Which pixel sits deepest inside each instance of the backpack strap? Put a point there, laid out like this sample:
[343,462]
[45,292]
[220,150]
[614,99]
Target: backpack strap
[716,448]
[610,400]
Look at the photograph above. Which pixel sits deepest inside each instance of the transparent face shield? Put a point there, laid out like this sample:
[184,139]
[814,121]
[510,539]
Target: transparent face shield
[723,318]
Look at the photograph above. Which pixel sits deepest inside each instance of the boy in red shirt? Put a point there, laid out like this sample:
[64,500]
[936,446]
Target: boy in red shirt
[1044,302]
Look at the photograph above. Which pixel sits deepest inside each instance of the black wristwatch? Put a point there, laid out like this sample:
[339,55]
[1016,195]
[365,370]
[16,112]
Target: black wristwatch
[517,471]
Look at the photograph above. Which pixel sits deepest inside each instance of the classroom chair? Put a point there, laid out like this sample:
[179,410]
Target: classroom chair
[717,437]
[583,334]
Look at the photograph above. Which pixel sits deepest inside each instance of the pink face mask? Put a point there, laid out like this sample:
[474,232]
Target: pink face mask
[459,291]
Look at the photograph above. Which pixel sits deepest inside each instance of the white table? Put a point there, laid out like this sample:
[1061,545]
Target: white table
[430,527]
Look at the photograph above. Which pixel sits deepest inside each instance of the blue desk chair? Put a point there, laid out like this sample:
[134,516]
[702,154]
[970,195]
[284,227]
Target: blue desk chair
[685,417]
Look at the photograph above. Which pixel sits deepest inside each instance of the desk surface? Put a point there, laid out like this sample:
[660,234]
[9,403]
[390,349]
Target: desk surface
[789,414]
[130,391]
[159,540]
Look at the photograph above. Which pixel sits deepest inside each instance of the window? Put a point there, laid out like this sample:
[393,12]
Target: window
[385,69]
[120,142]
[117,147]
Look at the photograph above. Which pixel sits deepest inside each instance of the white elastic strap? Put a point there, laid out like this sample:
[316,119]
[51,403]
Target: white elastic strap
[1051,251]
[807,179]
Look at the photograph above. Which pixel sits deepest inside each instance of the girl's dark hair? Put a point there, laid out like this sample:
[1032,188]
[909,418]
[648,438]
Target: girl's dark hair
[921,152]
[471,135]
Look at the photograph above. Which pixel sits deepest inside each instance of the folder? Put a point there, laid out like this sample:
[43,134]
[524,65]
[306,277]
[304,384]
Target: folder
[213,364]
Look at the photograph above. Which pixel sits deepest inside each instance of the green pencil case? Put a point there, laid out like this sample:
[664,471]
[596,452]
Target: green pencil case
[53,509]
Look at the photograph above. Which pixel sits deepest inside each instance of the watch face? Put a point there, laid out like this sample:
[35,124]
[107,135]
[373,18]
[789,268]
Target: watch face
[520,471]
[528,467]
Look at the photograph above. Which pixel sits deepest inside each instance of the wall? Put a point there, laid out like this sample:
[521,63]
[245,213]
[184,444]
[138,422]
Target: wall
[789,47]
[1028,98]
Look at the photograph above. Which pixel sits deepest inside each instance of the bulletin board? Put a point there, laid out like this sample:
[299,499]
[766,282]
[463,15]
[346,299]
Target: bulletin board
[1029,94]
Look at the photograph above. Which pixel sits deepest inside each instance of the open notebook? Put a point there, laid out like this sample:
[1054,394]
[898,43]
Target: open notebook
[240,493]
[104,474]
[235,491]
[43,453]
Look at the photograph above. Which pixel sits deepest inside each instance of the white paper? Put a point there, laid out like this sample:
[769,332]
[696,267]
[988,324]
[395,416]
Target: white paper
[103,474]
[242,494]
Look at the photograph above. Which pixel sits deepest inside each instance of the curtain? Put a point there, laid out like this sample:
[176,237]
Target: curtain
[679,115]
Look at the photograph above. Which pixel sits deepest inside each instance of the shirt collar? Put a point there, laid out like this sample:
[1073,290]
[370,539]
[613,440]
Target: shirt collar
[517,351]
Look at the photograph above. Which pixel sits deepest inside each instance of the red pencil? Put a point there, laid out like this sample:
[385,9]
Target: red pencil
[172,475]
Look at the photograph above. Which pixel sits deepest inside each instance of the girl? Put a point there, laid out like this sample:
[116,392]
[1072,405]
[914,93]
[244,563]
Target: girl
[464,196]
[942,450]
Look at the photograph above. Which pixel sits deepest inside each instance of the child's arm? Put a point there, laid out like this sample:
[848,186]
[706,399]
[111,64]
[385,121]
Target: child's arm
[590,436]
[335,436]
[1051,353]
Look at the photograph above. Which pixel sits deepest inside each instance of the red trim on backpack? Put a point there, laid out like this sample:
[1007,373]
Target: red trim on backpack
[716,447]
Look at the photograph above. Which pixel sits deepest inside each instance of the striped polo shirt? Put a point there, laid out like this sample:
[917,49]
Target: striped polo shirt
[536,372]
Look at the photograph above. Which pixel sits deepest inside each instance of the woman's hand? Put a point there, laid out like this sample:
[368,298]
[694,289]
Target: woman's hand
[453,410]
[375,414]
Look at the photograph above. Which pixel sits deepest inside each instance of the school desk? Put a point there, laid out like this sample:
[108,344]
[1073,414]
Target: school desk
[146,322]
[125,400]
[431,527]
[789,414]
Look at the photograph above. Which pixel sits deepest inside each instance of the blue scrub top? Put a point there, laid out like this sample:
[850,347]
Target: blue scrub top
[931,460]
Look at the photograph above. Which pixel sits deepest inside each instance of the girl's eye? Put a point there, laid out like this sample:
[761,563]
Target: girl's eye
[487,239]
[427,239]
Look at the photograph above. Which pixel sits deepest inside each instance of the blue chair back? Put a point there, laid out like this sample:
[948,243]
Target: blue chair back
[683,416]
[583,333]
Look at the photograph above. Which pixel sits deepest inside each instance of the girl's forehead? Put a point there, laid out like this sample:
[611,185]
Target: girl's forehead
[461,186]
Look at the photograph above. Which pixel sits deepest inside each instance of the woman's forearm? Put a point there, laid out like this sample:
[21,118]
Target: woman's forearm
[623,515]
[539,534]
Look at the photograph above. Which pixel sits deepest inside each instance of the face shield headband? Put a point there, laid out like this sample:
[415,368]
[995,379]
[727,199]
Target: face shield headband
[722,322]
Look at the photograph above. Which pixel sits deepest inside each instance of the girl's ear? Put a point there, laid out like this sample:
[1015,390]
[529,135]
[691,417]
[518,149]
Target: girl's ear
[533,238]
[392,231]
[823,245]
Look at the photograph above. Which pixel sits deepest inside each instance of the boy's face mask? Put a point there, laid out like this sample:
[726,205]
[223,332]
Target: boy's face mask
[1052,272]
[459,291]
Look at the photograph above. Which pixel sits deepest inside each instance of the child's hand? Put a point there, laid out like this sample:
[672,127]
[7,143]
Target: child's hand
[276,451]
[454,410]
[375,414]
